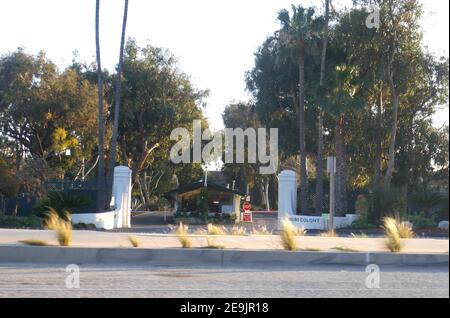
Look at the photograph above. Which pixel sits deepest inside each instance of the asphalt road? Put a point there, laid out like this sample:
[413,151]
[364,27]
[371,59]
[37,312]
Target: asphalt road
[18,280]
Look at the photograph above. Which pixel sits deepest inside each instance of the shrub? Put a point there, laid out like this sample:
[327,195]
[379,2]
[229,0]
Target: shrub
[362,206]
[344,249]
[28,222]
[428,201]
[362,224]
[33,242]
[84,226]
[211,244]
[216,230]
[300,231]
[182,235]
[157,203]
[201,232]
[261,230]
[134,240]
[238,231]
[61,203]
[288,237]
[420,221]
[387,202]
[394,242]
[405,230]
[442,211]
[62,226]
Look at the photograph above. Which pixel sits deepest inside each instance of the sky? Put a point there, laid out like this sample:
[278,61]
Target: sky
[214,40]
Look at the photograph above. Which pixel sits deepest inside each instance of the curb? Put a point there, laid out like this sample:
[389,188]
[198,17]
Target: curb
[226,258]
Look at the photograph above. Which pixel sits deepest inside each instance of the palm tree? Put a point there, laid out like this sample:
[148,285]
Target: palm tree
[101,203]
[296,30]
[112,155]
[319,164]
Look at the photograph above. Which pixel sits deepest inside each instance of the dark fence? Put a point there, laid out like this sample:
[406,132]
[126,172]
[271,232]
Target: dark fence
[68,185]
[23,204]
[18,206]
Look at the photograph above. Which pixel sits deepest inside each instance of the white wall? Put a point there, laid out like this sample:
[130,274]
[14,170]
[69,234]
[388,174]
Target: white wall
[104,220]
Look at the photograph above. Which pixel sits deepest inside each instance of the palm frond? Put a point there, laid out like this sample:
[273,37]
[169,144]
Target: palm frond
[284,18]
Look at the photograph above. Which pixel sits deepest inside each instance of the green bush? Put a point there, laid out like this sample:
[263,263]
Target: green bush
[421,221]
[28,222]
[362,206]
[157,204]
[202,205]
[60,202]
[387,203]
[431,204]
[84,226]
[363,224]
[428,201]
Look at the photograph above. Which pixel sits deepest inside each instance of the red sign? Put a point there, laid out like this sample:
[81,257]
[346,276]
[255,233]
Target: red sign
[247,217]
[246,206]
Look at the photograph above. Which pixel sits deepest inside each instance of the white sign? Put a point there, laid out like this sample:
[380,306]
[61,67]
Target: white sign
[317,222]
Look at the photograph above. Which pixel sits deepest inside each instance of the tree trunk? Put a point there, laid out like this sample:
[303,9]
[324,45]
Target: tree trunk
[378,140]
[393,139]
[266,194]
[319,167]
[2,205]
[341,169]
[112,156]
[101,200]
[319,163]
[141,192]
[263,197]
[301,119]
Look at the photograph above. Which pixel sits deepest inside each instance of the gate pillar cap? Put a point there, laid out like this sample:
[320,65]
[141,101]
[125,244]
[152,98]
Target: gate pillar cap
[288,174]
[122,171]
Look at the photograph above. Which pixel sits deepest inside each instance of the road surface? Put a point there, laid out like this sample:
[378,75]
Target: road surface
[19,280]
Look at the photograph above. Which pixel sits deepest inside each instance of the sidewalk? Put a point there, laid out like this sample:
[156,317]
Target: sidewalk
[260,242]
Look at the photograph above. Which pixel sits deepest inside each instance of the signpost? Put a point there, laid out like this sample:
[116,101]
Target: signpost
[331,167]
[247,216]
[326,219]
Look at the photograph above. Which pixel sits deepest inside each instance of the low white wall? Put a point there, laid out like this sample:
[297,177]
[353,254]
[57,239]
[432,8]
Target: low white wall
[317,222]
[105,220]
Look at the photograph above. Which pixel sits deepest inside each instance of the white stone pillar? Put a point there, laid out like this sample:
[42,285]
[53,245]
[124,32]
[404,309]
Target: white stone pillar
[287,194]
[237,207]
[122,196]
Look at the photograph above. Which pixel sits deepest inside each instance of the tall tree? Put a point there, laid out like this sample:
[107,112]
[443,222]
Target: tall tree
[401,37]
[319,160]
[156,98]
[112,154]
[297,30]
[101,194]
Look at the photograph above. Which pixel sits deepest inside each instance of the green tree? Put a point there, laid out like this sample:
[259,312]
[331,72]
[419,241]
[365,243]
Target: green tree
[44,112]
[242,115]
[156,98]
